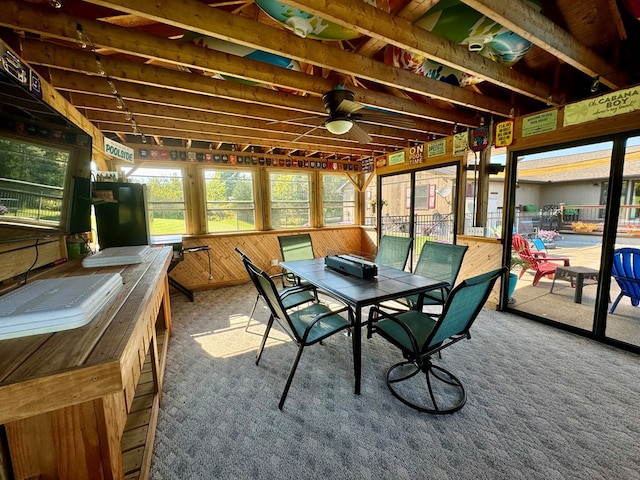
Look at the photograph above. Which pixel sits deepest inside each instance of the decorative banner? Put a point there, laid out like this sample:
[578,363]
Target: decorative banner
[460,143]
[479,139]
[416,154]
[540,123]
[118,150]
[504,133]
[608,105]
[396,158]
[437,148]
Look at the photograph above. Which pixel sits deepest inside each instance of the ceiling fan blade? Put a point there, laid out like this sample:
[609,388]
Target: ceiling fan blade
[359,134]
[349,106]
[306,133]
[294,119]
[390,119]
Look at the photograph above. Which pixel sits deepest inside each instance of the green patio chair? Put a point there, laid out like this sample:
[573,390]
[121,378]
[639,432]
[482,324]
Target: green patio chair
[441,261]
[307,325]
[291,296]
[393,251]
[420,337]
[295,247]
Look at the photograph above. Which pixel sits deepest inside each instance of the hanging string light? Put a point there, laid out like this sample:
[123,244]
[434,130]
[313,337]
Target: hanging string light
[84,41]
[119,102]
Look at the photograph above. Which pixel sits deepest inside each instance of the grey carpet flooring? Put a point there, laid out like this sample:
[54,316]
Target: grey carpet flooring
[542,404]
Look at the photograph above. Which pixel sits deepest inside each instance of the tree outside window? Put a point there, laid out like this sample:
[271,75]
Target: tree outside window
[338,200]
[290,205]
[165,199]
[230,200]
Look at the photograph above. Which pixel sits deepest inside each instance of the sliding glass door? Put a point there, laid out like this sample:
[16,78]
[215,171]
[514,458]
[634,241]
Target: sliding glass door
[420,205]
[574,207]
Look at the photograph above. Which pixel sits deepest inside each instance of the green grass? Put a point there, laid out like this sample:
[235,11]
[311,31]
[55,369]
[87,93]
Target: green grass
[167,226]
[229,225]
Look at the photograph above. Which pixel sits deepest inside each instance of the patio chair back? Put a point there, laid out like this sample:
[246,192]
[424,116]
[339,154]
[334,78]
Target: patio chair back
[393,251]
[626,272]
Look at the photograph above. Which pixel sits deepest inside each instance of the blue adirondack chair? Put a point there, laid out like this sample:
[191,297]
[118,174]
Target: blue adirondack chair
[626,273]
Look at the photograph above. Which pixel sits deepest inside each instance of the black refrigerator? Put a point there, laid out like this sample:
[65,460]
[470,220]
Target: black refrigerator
[121,214]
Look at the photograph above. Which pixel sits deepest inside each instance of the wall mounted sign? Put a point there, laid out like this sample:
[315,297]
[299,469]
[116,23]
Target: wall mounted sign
[479,139]
[540,123]
[117,150]
[396,158]
[460,143]
[608,105]
[504,133]
[437,148]
[416,154]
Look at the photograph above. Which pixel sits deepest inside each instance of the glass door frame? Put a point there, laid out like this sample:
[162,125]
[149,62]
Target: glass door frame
[455,204]
[614,189]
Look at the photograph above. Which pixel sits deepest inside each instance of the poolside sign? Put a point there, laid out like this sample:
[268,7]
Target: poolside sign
[118,150]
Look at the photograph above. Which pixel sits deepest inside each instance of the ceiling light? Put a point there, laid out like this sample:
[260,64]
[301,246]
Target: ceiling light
[82,40]
[595,84]
[339,126]
[300,26]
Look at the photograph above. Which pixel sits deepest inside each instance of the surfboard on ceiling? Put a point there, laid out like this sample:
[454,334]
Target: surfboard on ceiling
[308,25]
[455,21]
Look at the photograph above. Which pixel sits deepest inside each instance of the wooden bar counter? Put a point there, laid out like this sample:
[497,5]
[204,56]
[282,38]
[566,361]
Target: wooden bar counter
[83,403]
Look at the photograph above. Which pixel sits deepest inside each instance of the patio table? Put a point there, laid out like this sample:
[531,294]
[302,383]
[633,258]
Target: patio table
[578,276]
[389,284]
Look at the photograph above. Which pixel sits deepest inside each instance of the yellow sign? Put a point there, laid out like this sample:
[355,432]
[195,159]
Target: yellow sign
[460,143]
[504,133]
[608,105]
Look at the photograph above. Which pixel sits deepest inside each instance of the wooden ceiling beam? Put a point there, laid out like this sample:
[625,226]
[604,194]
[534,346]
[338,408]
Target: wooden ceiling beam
[521,19]
[376,23]
[136,43]
[410,12]
[55,56]
[148,114]
[197,17]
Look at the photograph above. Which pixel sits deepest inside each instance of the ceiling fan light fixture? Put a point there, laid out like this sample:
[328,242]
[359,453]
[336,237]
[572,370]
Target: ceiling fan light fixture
[339,126]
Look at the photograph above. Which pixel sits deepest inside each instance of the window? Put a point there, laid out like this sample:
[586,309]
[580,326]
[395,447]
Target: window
[425,197]
[338,200]
[290,206]
[230,200]
[165,199]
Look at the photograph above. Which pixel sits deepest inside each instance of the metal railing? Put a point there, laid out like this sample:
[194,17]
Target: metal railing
[39,202]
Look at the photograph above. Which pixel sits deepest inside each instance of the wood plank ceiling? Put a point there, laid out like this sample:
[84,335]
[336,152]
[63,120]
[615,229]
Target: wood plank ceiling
[175,92]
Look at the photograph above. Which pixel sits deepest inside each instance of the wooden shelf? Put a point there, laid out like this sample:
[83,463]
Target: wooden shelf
[139,431]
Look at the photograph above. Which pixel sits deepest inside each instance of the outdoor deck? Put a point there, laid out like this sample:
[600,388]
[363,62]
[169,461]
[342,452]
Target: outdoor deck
[585,251]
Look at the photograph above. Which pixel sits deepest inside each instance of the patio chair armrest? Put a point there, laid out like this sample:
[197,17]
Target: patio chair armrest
[378,313]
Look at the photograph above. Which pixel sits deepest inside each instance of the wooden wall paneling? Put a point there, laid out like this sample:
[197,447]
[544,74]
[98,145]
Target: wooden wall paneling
[227,268]
[483,255]
[16,258]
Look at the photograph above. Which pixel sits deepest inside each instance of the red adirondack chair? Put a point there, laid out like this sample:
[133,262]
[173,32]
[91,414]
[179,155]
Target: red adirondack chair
[541,264]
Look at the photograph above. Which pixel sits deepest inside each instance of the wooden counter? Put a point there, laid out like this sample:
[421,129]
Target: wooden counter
[83,403]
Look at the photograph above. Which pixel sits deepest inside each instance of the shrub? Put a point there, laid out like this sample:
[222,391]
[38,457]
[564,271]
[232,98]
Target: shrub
[583,227]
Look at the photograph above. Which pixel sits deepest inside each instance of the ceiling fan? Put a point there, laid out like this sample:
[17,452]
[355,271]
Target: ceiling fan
[345,115]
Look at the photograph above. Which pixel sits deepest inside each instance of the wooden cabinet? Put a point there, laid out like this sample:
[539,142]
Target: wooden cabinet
[83,403]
